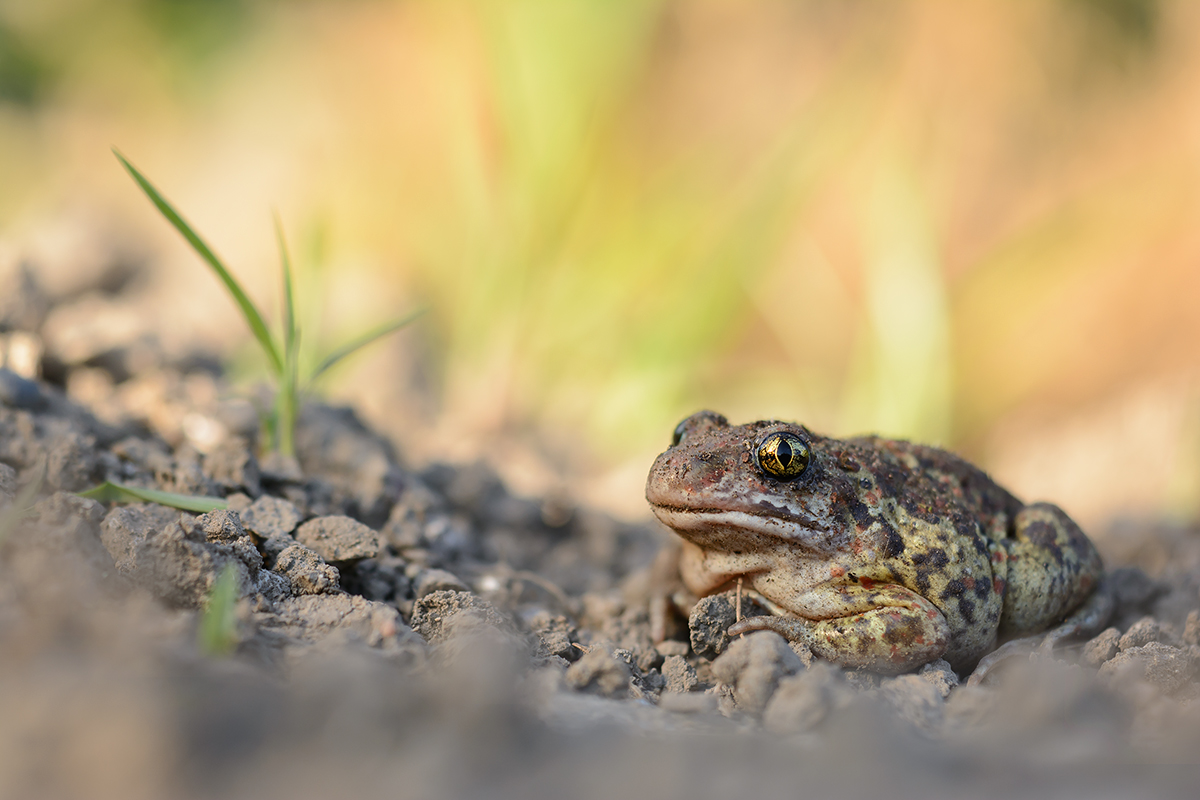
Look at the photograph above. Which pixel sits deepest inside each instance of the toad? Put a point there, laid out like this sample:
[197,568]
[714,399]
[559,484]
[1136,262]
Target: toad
[876,554]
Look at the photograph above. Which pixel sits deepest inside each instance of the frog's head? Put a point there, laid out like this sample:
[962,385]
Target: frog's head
[742,487]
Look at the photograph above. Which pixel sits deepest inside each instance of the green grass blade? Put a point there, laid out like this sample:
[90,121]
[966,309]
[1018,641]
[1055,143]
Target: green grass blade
[289,302]
[363,341]
[253,318]
[113,492]
[217,635]
[23,504]
[287,399]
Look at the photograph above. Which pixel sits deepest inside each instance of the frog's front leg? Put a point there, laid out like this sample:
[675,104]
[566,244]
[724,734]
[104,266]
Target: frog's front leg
[1052,567]
[887,628]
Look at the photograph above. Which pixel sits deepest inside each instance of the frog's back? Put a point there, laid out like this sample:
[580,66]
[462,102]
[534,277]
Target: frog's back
[934,484]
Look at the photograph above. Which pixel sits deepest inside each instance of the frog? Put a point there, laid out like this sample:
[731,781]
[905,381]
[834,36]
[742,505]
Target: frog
[876,554]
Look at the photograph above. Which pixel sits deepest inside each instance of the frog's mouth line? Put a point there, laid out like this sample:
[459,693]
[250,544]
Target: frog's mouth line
[704,525]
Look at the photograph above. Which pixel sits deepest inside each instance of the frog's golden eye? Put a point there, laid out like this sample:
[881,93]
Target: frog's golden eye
[680,429]
[783,455]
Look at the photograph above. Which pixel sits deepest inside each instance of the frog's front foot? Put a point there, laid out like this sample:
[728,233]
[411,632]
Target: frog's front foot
[794,630]
[889,639]
[1017,647]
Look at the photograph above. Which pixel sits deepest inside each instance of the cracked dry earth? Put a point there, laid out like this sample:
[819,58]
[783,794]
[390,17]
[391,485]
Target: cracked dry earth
[426,633]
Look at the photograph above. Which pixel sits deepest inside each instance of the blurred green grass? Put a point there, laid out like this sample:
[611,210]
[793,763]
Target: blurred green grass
[921,219]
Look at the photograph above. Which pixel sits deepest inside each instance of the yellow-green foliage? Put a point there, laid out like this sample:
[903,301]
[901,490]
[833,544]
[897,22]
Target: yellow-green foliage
[217,634]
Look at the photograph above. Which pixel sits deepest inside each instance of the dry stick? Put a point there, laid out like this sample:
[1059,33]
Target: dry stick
[737,607]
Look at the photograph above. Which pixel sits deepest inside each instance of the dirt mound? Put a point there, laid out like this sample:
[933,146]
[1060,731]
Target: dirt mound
[427,633]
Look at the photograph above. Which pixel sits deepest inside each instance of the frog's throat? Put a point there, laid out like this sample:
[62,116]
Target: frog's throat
[716,528]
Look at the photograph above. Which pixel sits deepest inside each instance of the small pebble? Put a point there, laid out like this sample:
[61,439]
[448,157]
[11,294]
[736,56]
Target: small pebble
[680,675]
[1101,648]
[1142,632]
[18,392]
[1164,667]
[270,516]
[338,538]
[940,674]
[672,647]
[803,701]
[753,665]
[1191,628]
[437,580]
[600,671]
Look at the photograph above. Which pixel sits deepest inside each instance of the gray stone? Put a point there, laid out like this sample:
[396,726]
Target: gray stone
[311,618]
[269,517]
[914,699]
[8,483]
[711,618]
[223,526]
[672,647]
[1163,666]
[306,571]
[338,538]
[1142,632]
[126,528]
[600,671]
[232,466]
[802,701]
[1101,648]
[428,581]
[433,613]
[555,633]
[71,462]
[18,392]
[753,665]
[679,674]
[181,571]
[940,675]
[1191,628]
[1132,587]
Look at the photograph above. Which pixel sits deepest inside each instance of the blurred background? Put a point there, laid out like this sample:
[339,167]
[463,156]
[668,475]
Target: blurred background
[968,223]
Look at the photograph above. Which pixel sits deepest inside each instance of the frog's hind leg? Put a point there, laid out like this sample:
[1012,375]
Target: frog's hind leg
[1052,568]
[1087,620]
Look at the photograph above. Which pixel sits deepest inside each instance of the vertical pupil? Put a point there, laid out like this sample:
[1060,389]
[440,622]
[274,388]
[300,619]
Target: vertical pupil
[783,451]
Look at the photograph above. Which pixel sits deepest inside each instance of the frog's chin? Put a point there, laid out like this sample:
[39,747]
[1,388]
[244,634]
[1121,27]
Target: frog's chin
[734,530]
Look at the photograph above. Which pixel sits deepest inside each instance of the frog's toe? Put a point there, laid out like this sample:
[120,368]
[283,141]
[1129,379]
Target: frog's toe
[794,630]
[1017,647]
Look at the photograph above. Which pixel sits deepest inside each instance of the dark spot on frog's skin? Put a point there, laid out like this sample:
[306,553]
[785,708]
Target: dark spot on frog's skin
[954,588]
[767,505]
[860,511]
[934,557]
[966,606]
[901,630]
[895,543]
[924,564]
[1044,534]
[983,589]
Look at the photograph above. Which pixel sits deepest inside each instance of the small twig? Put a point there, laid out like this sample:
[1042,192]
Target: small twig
[537,580]
[737,606]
